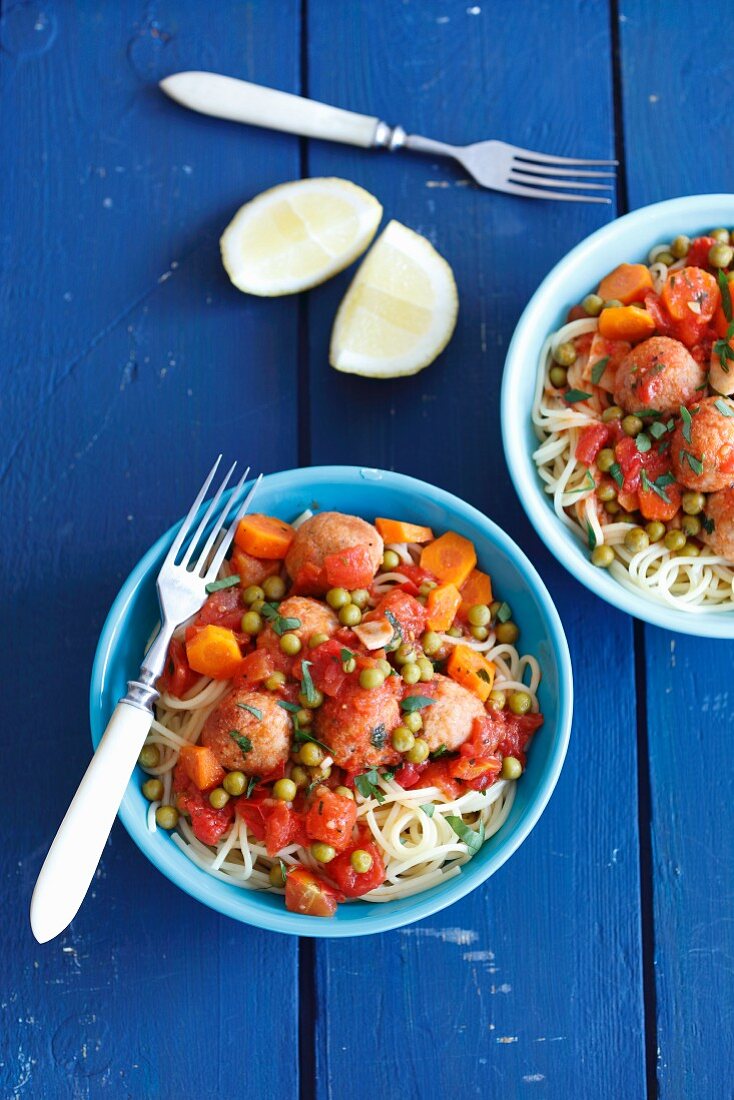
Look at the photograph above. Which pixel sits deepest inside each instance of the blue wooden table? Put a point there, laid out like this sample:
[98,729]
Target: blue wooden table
[599,961]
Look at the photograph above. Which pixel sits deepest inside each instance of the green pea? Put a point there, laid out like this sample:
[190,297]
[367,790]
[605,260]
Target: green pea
[166,817]
[674,541]
[390,561]
[720,235]
[345,792]
[655,530]
[679,246]
[218,798]
[251,622]
[350,615]
[497,700]
[606,492]
[507,633]
[320,773]
[275,680]
[690,525]
[481,633]
[360,598]
[632,425]
[419,752]
[324,853]
[284,790]
[479,615]
[370,678]
[257,605]
[558,377]
[666,258]
[606,459]
[338,597]
[411,673]
[720,255]
[592,304]
[290,644]
[311,702]
[274,588]
[611,507]
[361,861]
[404,654]
[511,768]
[612,303]
[426,669]
[311,754]
[349,665]
[565,354]
[431,643]
[317,639]
[299,776]
[520,702]
[253,592]
[602,556]
[454,632]
[413,721]
[304,717]
[426,588]
[612,413]
[636,539]
[234,783]
[693,503]
[277,875]
[402,739]
[691,550]
[149,757]
[153,790]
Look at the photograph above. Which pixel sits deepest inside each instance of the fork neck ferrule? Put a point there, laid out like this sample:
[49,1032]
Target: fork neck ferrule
[140,694]
[389,137]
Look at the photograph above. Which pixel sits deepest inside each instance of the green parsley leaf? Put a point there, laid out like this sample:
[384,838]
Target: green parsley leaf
[721,405]
[244,742]
[226,582]
[412,703]
[572,396]
[598,370]
[687,421]
[307,684]
[378,736]
[590,536]
[615,470]
[345,655]
[724,351]
[708,524]
[252,782]
[279,624]
[471,837]
[587,484]
[659,485]
[657,430]
[695,463]
[366,784]
[643,443]
[648,412]
[292,707]
[397,632]
[252,710]
[283,871]
[725,294]
[440,751]
[504,613]
[428,808]
[303,736]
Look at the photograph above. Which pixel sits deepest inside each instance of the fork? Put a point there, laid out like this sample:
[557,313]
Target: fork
[493,164]
[182,589]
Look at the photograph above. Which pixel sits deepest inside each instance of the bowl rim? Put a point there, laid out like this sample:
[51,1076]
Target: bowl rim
[168,862]
[522,468]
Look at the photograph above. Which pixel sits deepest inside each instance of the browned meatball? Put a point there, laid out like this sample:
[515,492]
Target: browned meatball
[328,533]
[269,736]
[356,725]
[314,617]
[720,513]
[449,720]
[659,374]
[711,446]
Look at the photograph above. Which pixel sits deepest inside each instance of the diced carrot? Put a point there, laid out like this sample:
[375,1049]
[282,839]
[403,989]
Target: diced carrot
[252,570]
[628,501]
[264,536]
[451,558]
[627,283]
[653,506]
[396,530]
[213,651]
[441,606]
[472,670]
[201,766]
[626,323]
[477,588]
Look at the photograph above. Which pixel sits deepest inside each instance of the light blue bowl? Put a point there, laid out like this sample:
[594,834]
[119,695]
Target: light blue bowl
[368,493]
[628,239]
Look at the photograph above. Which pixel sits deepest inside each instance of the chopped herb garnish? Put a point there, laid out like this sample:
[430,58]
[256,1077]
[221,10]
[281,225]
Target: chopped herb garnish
[708,524]
[649,412]
[303,735]
[504,613]
[723,349]
[378,736]
[643,443]
[657,430]
[428,808]
[721,405]
[226,582]
[440,751]
[252,782]
[244,742]
[307,684]
[659,485]
[416,702]
[283,871]
[725,294]
[367,786]
[279,624]
[598,370]
[615,470]
[687,421]
[695,463]
[397,632]
[587,484]
[292,707]
[346,654]
[471,837]
[252,710]
[590,536]
[572,396]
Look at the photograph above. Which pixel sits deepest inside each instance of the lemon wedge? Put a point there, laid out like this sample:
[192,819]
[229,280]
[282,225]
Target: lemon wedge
[400,310]
[298,234]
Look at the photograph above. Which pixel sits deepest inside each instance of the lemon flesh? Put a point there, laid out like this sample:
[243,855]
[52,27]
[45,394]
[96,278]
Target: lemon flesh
[297,235]
[400,310]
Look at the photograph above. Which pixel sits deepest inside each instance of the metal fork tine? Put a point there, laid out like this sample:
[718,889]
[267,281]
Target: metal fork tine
[540,193]
[225,543]
[544,158]
[190,516]
[207,516]
[201,561]
[544,181]
[542,170]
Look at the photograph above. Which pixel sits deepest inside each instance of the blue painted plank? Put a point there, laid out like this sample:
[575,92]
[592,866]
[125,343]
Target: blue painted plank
[129,362]
[689,715]
[535,979]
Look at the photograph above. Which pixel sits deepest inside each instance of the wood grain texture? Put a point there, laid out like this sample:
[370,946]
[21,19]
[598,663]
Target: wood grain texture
[129,362]
[689,708]
[534,981]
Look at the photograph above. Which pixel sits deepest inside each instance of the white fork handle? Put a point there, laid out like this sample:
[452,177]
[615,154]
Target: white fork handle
[240,101]
[73,857]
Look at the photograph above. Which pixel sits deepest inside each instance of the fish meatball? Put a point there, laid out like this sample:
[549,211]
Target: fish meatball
[314,617]
[660,374]
[449,719]
[357,723]
[330,533]
[706,462]
[720,517]
[269,737]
